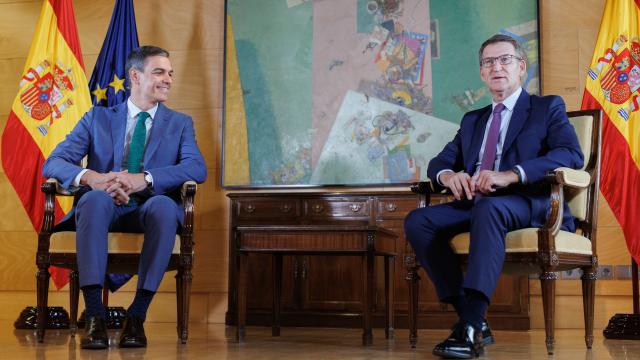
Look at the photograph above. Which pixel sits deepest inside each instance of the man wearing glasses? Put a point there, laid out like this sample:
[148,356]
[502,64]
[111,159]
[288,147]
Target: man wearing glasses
[494,166]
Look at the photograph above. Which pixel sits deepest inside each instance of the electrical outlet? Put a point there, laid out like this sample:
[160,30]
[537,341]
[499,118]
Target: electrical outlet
[572,274]
[605,272]
[623,272]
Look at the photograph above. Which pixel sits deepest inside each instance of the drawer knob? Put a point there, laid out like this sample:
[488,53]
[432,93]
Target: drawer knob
[317,208]
[355,207]
[250,208]
[285,208]
[391,207]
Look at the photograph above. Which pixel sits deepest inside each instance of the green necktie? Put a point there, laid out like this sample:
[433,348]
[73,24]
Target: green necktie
[136,148]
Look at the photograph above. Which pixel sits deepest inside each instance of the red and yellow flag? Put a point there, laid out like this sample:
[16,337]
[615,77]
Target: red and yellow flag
[53,94]
[613,85]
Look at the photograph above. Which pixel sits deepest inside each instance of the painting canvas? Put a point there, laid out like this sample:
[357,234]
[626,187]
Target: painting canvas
[355,92]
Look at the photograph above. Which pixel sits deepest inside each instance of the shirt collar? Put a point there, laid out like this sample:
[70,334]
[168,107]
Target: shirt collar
[510,102]
[134,110]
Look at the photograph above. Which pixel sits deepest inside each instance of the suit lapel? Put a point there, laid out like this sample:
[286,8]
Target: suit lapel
[474,145]
[158,130]
[518,119]
[118,129]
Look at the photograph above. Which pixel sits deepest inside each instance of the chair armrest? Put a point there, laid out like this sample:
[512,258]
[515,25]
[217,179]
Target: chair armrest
[188,193]
[422,187]
[572,178]
[559,178]
[189,189]
[52,185]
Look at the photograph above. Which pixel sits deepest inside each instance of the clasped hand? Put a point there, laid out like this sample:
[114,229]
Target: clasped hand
[119,185]
[485,182]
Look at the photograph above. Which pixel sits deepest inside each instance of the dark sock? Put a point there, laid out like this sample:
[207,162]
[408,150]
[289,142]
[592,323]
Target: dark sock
[141,303]
[457,302]
[474,308]
[93,301]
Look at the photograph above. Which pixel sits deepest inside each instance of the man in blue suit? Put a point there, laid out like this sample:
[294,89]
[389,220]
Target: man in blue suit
[494,166]
[139,154]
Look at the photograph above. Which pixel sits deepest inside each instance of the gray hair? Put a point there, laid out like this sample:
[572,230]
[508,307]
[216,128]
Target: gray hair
[137,58]
[497,38]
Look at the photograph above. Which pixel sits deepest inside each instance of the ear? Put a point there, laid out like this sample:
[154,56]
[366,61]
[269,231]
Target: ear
[523,68]
[134,76]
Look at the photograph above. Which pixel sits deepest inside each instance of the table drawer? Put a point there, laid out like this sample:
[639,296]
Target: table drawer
[337,208]
[395,208]
[272,208]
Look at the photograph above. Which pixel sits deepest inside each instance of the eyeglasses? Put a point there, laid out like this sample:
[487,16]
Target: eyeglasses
[502,60]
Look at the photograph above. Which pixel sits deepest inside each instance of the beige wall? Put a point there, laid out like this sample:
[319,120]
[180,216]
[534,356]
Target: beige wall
[192,30]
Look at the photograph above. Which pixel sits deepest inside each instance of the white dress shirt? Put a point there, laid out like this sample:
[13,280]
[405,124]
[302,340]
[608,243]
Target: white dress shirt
[132,118]
[509,104]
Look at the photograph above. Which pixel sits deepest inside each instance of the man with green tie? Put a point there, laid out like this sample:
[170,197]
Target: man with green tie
[139,153]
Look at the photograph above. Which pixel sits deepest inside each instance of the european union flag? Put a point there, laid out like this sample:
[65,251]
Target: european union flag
[107,84]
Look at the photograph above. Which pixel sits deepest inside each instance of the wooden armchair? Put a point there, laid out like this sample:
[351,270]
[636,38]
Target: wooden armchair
[545,250]
[57,248]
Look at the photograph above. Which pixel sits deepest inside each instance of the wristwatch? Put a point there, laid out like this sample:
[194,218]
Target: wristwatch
[517,171]
[148,179]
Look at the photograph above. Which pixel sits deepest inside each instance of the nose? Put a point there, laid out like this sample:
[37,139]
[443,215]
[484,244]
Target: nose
[495,63]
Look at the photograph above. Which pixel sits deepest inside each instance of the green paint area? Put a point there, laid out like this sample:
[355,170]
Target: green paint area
[463,26]
[274,59]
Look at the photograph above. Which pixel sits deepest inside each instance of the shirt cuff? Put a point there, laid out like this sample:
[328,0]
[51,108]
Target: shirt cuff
[440,173]
[524,175]
[76,180]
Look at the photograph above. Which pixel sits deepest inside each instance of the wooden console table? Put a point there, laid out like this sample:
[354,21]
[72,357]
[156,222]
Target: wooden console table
[365,241]
[326,290]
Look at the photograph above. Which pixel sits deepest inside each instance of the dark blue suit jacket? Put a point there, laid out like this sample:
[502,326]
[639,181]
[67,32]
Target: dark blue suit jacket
[171,156]
[539,139]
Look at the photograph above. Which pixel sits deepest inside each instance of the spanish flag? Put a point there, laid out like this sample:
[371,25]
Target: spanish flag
[613,85]
[53,94]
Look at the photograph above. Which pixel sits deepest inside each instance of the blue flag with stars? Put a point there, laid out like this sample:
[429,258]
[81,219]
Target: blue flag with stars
[107,84]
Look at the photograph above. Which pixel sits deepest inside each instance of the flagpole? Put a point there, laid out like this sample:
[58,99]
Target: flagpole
[634,277]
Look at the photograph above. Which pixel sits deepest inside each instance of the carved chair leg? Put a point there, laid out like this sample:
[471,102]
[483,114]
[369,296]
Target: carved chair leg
[413,280]
[179,304]
[548,283]
[588,299]
[74,297]
[42,277]
[184,294]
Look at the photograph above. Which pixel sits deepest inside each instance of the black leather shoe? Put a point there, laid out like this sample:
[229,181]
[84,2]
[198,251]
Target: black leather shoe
[133,333]
[487,336]
[465,342]
[95,334]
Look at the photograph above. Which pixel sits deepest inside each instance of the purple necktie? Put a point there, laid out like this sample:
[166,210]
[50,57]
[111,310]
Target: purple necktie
[491,145]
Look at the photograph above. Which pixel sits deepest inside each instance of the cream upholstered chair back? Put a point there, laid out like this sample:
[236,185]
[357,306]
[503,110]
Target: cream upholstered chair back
[587,129]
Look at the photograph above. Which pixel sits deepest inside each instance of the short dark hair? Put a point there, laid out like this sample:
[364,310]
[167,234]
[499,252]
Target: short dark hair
[137,58]
[497,38]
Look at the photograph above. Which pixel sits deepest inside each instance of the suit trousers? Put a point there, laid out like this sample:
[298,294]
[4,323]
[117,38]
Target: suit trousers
[488,220]
[97,214]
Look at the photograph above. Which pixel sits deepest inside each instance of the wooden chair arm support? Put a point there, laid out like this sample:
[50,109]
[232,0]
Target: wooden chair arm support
[188,194]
